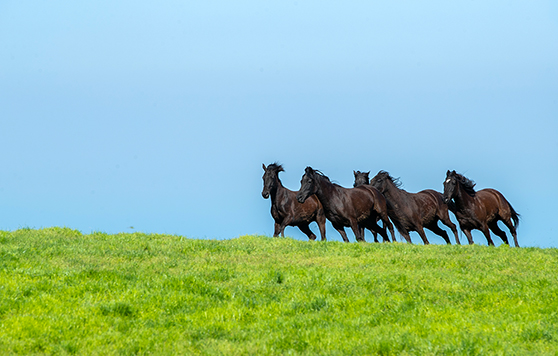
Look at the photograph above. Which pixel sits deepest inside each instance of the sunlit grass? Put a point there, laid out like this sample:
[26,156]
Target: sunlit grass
[62,292]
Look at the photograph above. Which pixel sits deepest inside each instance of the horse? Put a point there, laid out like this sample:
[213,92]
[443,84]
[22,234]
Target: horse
[412,211]
[286,210]
[481,209]
[361,178]
[352,207]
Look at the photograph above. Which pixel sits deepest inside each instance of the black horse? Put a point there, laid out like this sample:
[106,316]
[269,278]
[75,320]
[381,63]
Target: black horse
[411,211]
[361,178]
[353,207]
[286,210]
[480,210]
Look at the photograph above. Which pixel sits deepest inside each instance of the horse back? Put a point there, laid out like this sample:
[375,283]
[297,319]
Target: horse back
[287,204]
[431,202]
[494,202]
[375,197]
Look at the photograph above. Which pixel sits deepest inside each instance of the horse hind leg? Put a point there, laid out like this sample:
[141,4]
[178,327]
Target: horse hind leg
[388,224]
[498,232]
[439,231]
[446,221]
[375,234]
[512,228]
[376,229]
[306,229]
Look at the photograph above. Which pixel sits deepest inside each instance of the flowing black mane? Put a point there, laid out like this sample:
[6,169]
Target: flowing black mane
[395,181]
[467,184]
[276,167]
[320,173]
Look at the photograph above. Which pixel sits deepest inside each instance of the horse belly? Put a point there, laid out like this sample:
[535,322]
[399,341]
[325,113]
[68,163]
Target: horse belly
[304,215]
[466,222]
[336,218]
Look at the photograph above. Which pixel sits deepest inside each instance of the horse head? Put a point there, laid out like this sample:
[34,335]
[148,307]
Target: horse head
[382,180]
[308,185]
[450,186]
[361,178]
[452,183]
[270,178]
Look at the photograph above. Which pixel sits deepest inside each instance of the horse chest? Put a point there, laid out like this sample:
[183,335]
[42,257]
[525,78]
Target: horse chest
[275,213]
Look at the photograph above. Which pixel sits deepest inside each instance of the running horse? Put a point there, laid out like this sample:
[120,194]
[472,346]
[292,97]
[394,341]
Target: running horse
[481,209]
[356,208]
[412,211]
[286,210]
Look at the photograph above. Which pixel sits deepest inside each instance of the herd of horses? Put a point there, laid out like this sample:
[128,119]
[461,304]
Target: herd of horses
[381,198]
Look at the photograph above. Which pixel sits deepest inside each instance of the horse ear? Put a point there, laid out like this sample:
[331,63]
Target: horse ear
[448,173]
[367,173]
[355,173]
[264,167]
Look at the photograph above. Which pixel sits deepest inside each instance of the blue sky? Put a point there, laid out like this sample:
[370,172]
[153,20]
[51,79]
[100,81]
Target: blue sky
[159,115]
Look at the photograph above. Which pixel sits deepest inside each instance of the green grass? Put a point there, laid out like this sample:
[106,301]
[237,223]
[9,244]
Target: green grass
[62,293]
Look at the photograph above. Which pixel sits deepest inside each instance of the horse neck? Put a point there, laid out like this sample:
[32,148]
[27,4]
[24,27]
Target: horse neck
[463,199]
[325,190]
[393,193]
[277,191]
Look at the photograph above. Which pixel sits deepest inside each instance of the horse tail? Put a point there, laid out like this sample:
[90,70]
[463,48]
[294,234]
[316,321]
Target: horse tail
[514,215]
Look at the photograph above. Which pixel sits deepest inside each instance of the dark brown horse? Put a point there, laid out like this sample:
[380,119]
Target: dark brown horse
[353,207]
[286,210]
[412,211]
[480,210]
[361,178]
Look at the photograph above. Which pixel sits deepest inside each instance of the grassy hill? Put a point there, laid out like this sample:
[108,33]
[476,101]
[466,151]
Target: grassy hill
[62,292]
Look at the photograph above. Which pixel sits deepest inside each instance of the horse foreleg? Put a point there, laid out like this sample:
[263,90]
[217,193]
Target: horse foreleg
[469,236]
[286,221]
[361,230]
[321,220]
[446,221]
[277,229]
[486,233]
[341,230]
[420,231]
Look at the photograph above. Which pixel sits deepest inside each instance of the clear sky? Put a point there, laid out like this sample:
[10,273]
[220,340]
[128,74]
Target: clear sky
[122,116]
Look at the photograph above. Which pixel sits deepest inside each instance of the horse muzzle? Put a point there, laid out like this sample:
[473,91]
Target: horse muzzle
[265,195]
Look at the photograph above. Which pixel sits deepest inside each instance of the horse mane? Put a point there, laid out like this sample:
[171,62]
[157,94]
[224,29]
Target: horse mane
[467,184]
[395,181]
[276,167]
[319,173]
[322,175]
